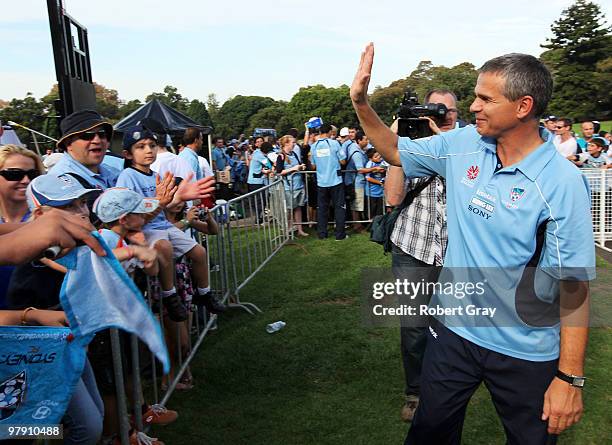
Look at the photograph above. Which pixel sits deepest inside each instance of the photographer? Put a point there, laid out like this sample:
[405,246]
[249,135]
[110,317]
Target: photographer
[419,242]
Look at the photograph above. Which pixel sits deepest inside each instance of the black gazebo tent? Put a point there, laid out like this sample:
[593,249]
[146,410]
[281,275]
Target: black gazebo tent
[173,121]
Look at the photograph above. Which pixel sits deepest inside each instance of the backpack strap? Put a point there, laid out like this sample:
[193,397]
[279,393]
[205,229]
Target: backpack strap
[412,194]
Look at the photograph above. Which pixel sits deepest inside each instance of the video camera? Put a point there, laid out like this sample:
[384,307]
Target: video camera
[410,112]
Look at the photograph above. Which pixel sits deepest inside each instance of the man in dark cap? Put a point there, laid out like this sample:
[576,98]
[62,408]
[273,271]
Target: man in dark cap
[85,138]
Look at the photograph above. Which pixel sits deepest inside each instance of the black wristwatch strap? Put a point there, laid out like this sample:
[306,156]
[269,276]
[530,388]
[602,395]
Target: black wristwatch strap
[574,380]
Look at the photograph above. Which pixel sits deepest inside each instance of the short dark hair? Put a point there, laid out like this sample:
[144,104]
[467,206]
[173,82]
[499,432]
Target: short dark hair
[440,91]
[567,122]
[191,135]
[266,147]
[359,135]
[524,75]
[293,132]
[216,138]
[325,128]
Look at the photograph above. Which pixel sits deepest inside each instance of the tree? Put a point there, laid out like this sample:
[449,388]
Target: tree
[270,117]
[233,116]
[212,104]
[333,105]
[578,56]
[198,112]
[128,108]
[107,100]
[171,97]
[459,79]
[32,113]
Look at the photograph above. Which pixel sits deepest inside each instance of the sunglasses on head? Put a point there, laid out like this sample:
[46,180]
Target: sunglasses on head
[18,174]
[90,135]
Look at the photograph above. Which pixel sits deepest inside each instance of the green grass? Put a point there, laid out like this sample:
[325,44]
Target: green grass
[326,378]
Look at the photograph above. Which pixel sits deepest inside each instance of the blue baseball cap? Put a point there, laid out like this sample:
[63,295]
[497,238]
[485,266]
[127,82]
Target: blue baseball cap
[135,134]
[57,190]
[119,201]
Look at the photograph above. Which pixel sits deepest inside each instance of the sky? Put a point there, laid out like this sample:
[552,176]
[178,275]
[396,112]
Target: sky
[265,47]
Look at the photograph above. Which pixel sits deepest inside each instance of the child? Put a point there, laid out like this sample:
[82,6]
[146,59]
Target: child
[123,211]
[203,221]
[595,158]
[140,149]
[287,166]
[375,180]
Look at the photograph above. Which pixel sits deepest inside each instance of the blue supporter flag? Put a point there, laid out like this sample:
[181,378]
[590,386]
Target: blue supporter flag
[98,294]
[39,369]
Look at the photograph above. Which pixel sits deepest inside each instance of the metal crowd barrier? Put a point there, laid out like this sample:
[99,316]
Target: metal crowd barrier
[310,188]
[252,229]
[600,182]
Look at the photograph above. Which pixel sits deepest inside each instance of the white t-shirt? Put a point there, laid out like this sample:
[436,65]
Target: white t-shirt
[205,167]
[566,148]
[169,162]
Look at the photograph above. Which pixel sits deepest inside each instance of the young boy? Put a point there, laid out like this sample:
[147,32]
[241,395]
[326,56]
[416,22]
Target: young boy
[123,211]
[595,158]
[374,190]
[140,149]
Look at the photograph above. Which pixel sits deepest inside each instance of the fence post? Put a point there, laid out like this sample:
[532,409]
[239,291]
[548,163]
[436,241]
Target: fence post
[124,426]
[602,208]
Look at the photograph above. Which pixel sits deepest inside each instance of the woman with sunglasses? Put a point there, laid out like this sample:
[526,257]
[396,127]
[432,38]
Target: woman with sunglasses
[18,166]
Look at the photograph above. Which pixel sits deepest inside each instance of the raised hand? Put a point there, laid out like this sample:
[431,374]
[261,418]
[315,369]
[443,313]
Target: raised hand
[202,189]
[359,88]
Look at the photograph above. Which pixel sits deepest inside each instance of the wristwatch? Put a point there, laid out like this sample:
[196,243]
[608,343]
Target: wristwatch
[574,380]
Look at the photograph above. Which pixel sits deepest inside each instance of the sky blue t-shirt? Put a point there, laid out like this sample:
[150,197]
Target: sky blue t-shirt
[143,184]
[259,161]
[105,178]
[297,179]
[374,190]
[192,159]
[356,159]
[493,222]
[326,155]
[218,155]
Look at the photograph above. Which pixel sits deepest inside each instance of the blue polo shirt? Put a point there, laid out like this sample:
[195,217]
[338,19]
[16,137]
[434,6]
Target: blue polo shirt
[356,159]
[105,178]
[192,159]
[259,161]
[499,221]
[218,155]
[326,155]
[374,190]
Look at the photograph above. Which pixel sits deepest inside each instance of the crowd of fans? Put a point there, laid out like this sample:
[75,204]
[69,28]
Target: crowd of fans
[150,202]
[147,217]
[590,150]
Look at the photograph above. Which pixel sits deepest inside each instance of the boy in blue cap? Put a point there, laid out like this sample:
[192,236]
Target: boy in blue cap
[140,149]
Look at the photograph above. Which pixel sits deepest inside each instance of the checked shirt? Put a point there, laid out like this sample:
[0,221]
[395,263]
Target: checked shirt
[420,229]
